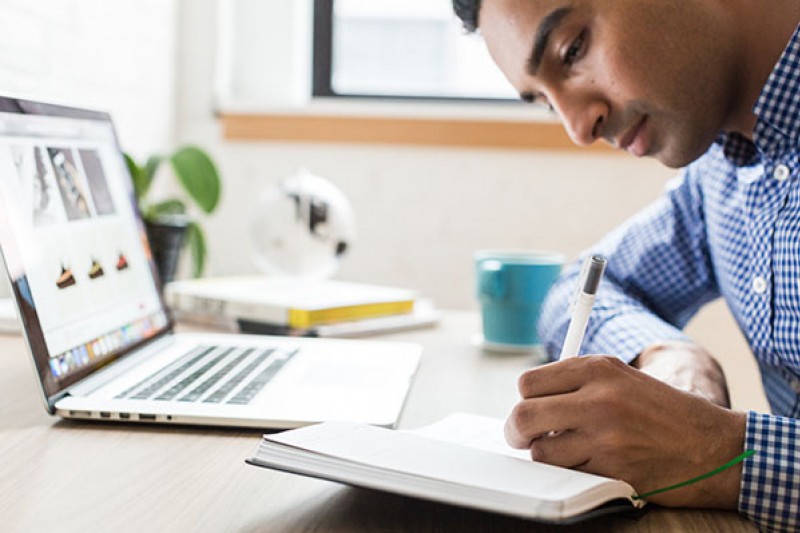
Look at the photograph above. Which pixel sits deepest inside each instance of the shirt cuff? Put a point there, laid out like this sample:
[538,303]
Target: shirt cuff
[770,490]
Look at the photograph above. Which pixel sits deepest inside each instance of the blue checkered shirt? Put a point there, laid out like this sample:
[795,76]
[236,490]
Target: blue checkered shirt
[728,226]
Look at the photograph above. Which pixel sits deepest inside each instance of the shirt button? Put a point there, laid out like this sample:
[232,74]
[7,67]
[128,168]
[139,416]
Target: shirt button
[781,172]
[759,285]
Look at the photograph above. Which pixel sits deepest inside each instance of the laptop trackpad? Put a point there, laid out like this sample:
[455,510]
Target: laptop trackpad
[356,387]
[346,376]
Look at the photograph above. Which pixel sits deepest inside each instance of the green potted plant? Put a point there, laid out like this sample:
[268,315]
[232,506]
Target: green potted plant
[169,224]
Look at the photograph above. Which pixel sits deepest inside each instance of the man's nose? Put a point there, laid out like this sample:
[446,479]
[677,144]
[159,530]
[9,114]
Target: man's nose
[583,119]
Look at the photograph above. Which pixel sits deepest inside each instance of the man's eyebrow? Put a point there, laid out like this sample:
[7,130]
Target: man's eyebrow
[549,23]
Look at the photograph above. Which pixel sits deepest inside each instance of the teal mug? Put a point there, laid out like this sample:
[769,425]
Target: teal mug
[511,286]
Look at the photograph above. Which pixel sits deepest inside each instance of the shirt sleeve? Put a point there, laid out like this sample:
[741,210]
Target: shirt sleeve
[658,276]
[770,489]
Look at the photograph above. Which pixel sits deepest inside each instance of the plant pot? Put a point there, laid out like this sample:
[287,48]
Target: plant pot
[166,236]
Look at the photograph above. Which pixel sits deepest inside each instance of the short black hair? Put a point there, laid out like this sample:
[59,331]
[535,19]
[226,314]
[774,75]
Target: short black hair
[467,11]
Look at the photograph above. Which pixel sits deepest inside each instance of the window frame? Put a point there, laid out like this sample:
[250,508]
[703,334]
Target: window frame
[322,49]
[322,67]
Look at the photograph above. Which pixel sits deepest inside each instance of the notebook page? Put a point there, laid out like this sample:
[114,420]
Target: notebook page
[475,431]
[424,457]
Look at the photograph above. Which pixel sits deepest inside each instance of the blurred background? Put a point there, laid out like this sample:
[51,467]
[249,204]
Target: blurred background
[381,97]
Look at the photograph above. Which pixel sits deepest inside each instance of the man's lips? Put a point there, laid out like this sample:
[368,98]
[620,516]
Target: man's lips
[633,140]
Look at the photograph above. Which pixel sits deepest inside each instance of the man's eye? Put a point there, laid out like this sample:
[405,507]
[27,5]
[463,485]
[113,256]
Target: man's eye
[542,100]
[575,49]
[537,99]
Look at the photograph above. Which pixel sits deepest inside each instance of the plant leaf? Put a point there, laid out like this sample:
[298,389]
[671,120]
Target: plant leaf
[167,207]
[149,172]
[142,176]
[197,246]
[198,175]
[136,175]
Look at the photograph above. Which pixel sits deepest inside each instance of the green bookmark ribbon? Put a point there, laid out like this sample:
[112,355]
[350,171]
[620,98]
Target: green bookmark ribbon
[736,460]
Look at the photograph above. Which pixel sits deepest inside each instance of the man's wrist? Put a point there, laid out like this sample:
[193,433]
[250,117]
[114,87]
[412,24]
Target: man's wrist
[710,438]
[723,489]
[691,368]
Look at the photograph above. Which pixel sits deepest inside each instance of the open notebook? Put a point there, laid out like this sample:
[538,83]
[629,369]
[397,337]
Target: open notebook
[460,460]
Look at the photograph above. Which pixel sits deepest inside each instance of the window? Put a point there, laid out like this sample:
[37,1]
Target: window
[400,49]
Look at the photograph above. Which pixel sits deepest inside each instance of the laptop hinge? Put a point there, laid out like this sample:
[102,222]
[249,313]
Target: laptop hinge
[54,399]
[107,374]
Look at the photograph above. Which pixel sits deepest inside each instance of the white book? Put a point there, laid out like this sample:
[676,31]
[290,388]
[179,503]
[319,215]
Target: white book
[423,316]
[461,460]
[287,301]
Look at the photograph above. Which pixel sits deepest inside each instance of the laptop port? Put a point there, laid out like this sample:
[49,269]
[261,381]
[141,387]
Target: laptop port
[104,414]
[124,416]
[147,417]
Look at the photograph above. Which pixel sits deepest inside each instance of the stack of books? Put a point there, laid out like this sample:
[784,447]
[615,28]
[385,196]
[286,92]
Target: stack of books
[297,306]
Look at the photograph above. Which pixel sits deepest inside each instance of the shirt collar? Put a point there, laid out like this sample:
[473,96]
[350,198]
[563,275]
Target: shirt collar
[777,112]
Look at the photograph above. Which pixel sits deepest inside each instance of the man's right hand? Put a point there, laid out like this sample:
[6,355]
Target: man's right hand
[597,414]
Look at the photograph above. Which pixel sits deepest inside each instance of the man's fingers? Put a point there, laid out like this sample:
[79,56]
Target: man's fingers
[565,449]
[567,376]
[572,394]
[531,419]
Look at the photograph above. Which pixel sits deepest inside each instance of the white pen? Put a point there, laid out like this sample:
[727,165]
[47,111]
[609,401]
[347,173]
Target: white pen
[591,275]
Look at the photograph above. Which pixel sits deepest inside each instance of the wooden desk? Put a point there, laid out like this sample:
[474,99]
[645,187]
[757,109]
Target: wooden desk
[80,476]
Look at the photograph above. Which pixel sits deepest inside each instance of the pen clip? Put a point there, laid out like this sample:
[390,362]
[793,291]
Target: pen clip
[579,283]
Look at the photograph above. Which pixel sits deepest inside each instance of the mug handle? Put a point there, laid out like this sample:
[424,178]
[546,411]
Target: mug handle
[490,279]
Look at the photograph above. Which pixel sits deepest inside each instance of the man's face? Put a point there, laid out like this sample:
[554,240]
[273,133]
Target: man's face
[654,77]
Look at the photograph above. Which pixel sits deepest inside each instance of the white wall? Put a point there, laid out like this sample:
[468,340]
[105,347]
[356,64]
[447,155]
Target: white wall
[422,212]
[117,56]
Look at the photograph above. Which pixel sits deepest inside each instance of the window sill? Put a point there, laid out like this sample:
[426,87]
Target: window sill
[492,126]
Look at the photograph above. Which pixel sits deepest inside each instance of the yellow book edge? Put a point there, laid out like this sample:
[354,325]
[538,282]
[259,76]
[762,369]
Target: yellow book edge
[305,318]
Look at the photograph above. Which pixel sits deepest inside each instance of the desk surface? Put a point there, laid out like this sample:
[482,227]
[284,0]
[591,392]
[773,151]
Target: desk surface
[80,476]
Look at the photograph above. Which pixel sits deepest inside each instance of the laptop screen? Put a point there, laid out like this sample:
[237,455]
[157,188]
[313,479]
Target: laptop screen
[73,242]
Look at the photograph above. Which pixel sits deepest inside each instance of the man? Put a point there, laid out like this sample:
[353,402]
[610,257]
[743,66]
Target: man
[712,86]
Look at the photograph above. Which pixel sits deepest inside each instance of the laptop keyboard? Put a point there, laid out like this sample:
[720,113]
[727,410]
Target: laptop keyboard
[213,374]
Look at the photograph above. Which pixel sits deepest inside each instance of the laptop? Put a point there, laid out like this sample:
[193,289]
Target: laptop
[100,336]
